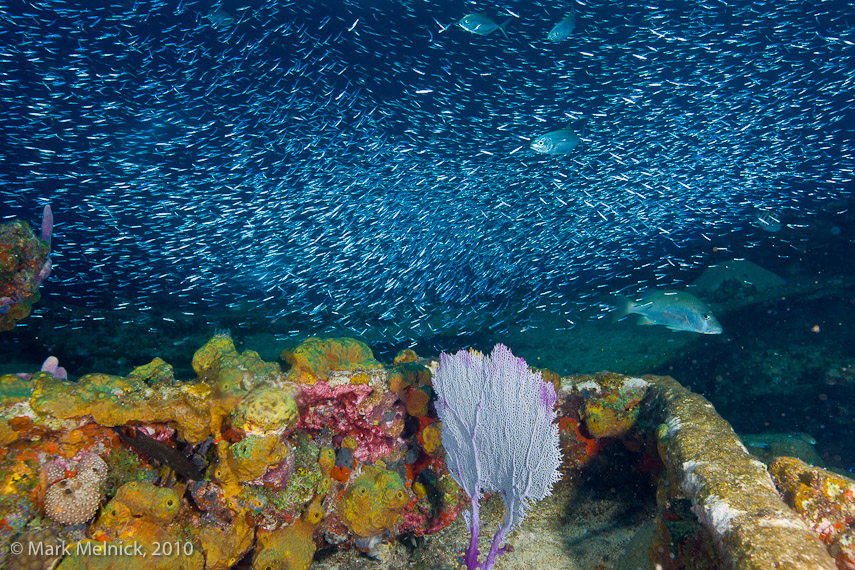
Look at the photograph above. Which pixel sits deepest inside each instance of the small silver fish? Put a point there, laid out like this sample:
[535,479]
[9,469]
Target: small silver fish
[563,29]
[676,310]
[481,24]
[557,142]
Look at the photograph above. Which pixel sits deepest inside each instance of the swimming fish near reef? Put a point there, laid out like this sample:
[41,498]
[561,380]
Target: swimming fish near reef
[557,142]
[676,310]
[563,29]
[481,24]
[763,440]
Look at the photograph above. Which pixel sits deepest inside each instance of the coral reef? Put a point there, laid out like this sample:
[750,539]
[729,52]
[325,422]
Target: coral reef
[24,264]
[155,374]
[71,501]
[843,550]
[315,358]
[135,525]
[41,550]
[264,410]
[366,412]
[411,382]
[76,499]
[291,547]
[824,500]
[247,462]
[373,501]
[613,409]
[224,544]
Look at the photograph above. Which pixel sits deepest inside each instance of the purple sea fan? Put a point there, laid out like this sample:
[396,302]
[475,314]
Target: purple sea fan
[499,434]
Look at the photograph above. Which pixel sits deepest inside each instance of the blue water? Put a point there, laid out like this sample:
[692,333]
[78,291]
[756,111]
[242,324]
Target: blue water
[358,161]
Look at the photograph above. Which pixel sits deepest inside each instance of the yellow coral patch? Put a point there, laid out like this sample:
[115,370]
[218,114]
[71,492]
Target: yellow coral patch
[266,408]
[314,358]
[289,548]
[373,502]
[249,458]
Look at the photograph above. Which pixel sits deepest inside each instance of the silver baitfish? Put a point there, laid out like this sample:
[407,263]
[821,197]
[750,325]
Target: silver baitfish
[676,310]
[557,142]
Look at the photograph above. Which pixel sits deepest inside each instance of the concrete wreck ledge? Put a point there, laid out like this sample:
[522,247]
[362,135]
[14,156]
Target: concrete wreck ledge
[731,493]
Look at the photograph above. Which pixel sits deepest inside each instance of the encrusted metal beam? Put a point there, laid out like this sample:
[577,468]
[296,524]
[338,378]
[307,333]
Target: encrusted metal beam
[732,494]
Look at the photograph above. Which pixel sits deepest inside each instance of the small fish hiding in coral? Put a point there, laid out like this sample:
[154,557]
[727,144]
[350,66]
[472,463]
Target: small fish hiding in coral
[160,452]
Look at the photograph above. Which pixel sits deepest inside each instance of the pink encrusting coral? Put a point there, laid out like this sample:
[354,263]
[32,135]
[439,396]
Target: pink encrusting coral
[374,419]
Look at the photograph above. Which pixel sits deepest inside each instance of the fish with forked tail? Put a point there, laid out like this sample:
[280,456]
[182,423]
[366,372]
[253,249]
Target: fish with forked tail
[481,24]
[676,310]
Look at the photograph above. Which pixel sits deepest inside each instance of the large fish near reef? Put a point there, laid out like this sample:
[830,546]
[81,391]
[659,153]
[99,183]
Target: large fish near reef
[676,310]
[556,142]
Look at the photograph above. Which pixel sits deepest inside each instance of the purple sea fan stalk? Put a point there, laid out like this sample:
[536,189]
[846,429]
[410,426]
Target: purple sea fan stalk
[499,434]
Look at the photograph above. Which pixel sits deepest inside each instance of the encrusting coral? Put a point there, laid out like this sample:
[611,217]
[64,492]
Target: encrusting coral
[264,410]
[34,555]
[24,264]
[291,547]
[315,358]
[144,516]
[824,500]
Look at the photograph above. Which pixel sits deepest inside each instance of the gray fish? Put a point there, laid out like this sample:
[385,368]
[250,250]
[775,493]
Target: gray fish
[481,24]
[160,452]
[764,440]
[676,310]
[557,142]
[563,29]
